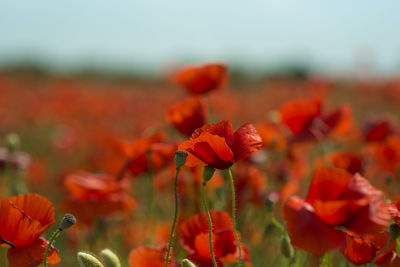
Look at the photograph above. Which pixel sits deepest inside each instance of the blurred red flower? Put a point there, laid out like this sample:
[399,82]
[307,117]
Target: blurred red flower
[92,196]
[348,160]
[23,219]
[218,146]
[150,153]
[394,211]
[194,238]
[341,199]
[202,79]
[305,119]
[363,249]
[378,128]
[146,256]
[335,198]
[306,230]
[187,115]
[272,136]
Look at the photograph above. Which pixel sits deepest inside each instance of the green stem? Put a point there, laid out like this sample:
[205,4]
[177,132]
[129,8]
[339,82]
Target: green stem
[277,224]
[175,216]
[234,216]
[51,241]
[3,257]
[203,197]
[383,249]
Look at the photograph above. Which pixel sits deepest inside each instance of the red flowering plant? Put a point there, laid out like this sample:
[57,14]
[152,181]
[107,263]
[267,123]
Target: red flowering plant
[92,197]
[338,199]
[218,146]
[305,119]
[23,219]
[146,154]
[203,78]
[188,115]
[193,233]
[148,256]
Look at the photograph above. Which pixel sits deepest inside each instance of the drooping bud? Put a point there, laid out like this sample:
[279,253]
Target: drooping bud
[88,260]
[286,248]
[109,258]
[208,173]
[394,231]
[180,158]
[67,221]
[188,263]
[12,142]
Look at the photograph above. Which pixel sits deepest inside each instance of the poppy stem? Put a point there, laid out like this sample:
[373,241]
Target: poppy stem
[51,241]
[394,232]
[3,257]
[203,197]
[175,215]
[123,169]
[390,240]
[229,171]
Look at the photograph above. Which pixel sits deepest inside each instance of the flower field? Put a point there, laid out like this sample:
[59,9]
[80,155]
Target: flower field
[199,168]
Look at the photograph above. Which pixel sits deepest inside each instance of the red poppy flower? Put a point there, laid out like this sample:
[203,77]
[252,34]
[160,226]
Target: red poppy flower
[363,249]
[152,148]
[194,237]
[377,129]
[32,254]
[305,119]
[387,154]
[188,115]
[394,211]
[339,198]
[202,79]
[95,195]
[23,219]
[298,114]
[272,136]
[146,256]
[347,160]
[306,230]
[218,146]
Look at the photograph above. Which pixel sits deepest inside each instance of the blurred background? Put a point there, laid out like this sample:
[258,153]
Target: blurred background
[148,37]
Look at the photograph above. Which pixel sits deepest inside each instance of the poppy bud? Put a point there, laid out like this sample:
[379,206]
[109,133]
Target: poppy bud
[67,221]
[109,258]
[12,142]
[88,260]
[208,173]
[394,231]
[188,263]
[286,248]
[180,158]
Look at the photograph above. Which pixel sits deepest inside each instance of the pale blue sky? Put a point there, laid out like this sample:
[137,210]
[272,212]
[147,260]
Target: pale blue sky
[157,33]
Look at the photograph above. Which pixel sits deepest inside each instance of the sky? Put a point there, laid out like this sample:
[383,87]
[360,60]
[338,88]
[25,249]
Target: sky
[155,34]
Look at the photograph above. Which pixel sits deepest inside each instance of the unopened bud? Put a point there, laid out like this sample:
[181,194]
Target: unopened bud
[394,231]
[180,158]
[67,221]
[109,258]
[286,248]
[12,142]
[88,260]
[188,263]
[208,173]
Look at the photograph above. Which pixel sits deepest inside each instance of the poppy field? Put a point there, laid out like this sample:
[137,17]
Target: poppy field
[199,168]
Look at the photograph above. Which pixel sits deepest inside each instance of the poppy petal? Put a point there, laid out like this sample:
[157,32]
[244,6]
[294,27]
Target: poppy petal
[247,140]
[306,231]
[32,254]
[24,218]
